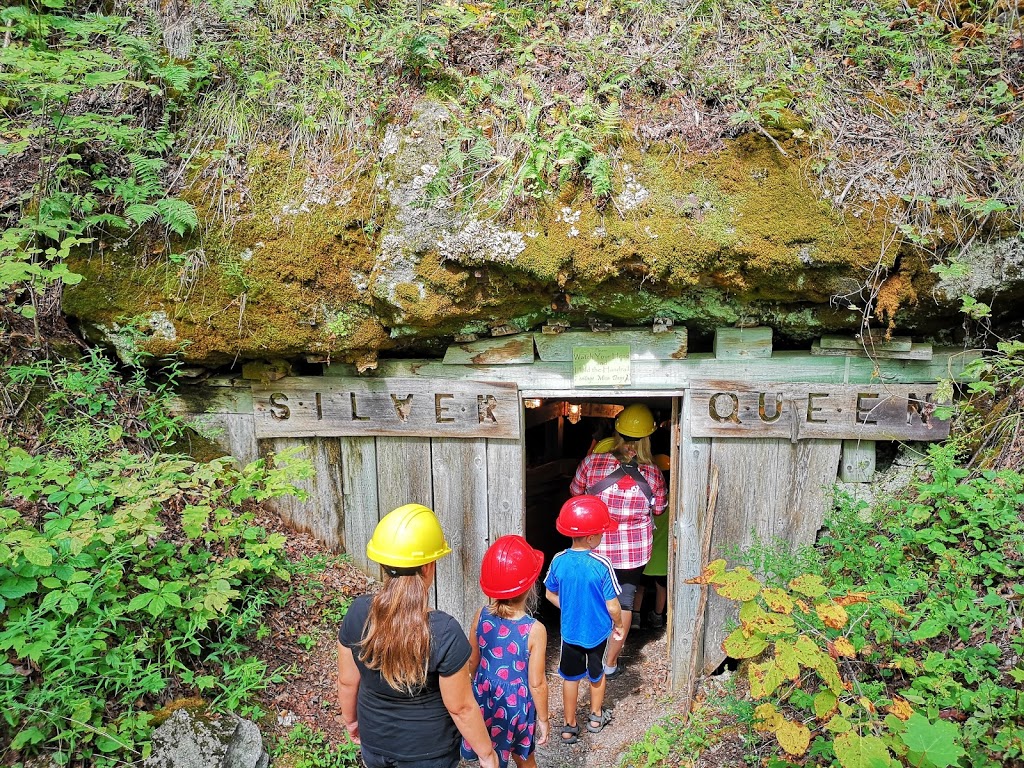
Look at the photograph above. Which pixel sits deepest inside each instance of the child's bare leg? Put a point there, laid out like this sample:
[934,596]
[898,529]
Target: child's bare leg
[570,693]
[597,696]
[525,762]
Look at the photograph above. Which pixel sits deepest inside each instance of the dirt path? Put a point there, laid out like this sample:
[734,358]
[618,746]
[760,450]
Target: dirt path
[638,699]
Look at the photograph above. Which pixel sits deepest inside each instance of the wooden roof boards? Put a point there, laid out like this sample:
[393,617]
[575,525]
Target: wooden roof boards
[500,350]
[643,344]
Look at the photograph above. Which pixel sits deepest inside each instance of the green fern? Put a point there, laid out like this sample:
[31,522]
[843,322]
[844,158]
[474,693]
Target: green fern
[599,171]
[179,215]
[147,174]
[140,213]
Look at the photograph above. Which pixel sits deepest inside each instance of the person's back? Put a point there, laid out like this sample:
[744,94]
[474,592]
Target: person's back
[583,580]
[583,585]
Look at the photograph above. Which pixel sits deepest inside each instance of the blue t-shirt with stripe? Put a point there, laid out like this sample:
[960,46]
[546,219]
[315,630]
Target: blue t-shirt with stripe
[584,582]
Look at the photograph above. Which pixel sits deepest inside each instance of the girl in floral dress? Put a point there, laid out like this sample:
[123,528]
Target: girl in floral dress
[508,653]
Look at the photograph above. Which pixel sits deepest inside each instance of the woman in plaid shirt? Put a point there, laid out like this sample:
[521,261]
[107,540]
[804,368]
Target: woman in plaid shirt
[632,486]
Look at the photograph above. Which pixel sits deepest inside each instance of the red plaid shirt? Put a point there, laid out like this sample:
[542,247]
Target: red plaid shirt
[629,546]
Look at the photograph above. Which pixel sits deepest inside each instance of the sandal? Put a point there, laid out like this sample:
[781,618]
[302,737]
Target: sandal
[570,734]
[596,723]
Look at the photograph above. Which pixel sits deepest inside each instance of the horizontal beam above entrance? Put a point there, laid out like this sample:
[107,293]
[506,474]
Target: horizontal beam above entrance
[542,379]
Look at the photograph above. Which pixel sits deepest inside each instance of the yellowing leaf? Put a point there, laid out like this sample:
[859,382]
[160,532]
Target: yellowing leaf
[843,647]
[832,615]
[865,702]
[838,724]
[765,678]
[787,659]
[901,708]
[778,600]
[710,574]
[766,717]
[738,584]
[772,624]
[739,645]
[824,704]
[853,597]
[793,737]
[856,751]
[808,584]
[892,607]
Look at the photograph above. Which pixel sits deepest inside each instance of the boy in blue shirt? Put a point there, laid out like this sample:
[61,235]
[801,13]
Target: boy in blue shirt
[583,585]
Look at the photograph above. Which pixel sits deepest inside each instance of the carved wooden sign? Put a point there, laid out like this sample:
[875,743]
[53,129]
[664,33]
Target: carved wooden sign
[802,411]
[339,407]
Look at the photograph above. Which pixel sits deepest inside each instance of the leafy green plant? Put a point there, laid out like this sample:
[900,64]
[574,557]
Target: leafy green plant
[123,573]
[304,747]
[902,619]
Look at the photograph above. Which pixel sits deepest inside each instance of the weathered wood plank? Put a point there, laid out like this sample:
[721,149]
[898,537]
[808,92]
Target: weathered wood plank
[867,342]
[506,485]
[916,352]
[320,406]
[694,456]
[206,398]
[858,461]
[810,492]
[360,500]
[801,411]
[322,513]
[739,343]
[752,497]
[460,502]
[660,376]
[404,476]
[503,350]
[643,344]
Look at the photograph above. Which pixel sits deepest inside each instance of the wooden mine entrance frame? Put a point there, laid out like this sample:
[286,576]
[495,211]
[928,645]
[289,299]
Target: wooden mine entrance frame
[762,433]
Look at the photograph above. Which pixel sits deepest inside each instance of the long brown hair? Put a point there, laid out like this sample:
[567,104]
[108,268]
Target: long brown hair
[396,641]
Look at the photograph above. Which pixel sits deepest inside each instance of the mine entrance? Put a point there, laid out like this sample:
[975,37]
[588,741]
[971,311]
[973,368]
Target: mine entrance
[559,433]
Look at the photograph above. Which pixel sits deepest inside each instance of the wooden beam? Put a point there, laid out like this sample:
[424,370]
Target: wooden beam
[916,352]
[858,462]
[867,343]
[739,343]
[554,379]
[503,350]
[643,343]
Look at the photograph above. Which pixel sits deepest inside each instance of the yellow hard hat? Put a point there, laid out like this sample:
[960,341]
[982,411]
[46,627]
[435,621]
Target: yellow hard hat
[604,446]
[635,421]
[407,537]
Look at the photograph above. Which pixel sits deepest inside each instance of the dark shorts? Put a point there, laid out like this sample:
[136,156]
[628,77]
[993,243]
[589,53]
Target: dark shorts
[373,760]
[629,580]
[577,661]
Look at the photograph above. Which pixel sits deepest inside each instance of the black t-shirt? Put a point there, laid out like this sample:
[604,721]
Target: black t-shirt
[393,723]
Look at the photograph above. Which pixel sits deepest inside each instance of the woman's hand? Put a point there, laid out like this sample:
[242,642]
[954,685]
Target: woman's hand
[457,695]
[353,731]
[542,732]
[490,761]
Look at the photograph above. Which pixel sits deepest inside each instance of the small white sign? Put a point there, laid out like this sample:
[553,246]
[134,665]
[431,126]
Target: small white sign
[604,366]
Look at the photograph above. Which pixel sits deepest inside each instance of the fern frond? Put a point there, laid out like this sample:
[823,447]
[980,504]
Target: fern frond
[179,215]
[611,119]
[140,213]
[599,172]
[147,174]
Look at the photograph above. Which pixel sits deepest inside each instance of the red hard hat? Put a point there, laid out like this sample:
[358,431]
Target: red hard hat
[510,567]
[584,516]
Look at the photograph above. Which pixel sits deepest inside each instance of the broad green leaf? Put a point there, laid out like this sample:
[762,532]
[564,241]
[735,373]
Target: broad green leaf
[935,741]
[787,659]
[68,605]
[856,751]
[710,574]
[929,629]
[838,724]
[14,587]
[38,554]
